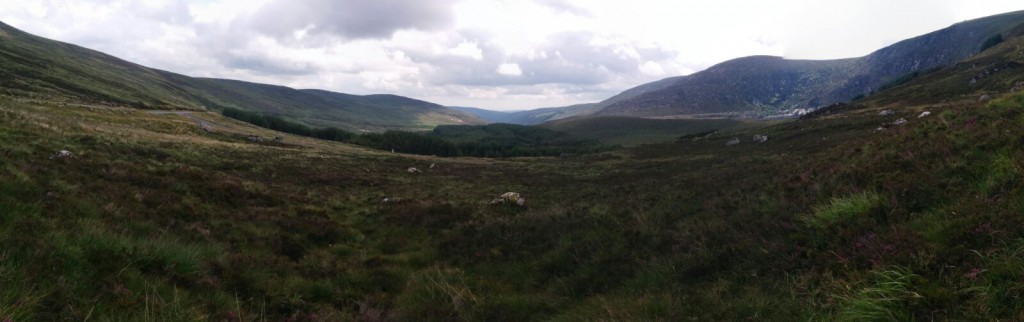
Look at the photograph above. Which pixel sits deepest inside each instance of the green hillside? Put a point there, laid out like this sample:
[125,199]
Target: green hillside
[32,65]
[631,131]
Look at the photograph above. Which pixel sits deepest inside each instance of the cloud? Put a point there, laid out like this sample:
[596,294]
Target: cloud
[351,18]
[509,70]
[565,6]
[577,58]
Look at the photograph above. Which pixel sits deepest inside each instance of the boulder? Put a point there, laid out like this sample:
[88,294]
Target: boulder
[924,114]
[886,113]
[1017,87]
[413,170]
[62,155]
[732,142]
[760,138]
[899,122]
[510,198]
[984,98]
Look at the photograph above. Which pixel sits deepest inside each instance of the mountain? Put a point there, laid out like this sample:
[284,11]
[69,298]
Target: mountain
[31,65]
[767,85]
[542,115]
[997,70]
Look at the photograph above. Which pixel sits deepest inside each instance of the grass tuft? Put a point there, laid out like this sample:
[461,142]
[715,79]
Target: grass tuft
[887,298]
[842,209]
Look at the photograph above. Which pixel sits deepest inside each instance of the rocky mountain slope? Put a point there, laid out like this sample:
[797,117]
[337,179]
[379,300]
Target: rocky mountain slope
[766,85]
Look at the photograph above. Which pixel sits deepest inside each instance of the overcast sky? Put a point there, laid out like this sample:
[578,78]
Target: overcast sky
[495,54]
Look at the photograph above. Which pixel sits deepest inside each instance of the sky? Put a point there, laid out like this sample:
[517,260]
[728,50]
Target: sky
[493,54]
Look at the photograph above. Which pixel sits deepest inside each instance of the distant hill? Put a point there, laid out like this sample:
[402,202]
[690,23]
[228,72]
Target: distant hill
[31,65]
[541,115]
[532,117]
[766,85]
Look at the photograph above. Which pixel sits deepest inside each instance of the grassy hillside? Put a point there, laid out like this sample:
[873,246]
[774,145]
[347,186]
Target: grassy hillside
[32,65]
[631,131]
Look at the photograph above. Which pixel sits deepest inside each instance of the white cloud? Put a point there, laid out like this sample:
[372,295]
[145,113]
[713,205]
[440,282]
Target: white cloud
[488,53]
[509,70]
[652,68]
[467,49]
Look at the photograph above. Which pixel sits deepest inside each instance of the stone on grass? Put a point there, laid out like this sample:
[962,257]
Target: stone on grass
[732,142]
[510,198]
[899,122]
[760,138]
[413,170]
[62,155]
[924,114]
[886,113]
[984,98]
[1017,87]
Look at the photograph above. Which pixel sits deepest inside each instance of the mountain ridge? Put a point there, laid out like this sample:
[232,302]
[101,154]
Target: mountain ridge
[33,65]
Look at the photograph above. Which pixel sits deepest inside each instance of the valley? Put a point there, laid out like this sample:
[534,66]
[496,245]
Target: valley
[137,204]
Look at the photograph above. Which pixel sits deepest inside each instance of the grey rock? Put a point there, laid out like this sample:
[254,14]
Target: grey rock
[62,155]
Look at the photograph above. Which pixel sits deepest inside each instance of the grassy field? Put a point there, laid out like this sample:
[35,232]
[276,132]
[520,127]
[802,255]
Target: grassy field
[154,218]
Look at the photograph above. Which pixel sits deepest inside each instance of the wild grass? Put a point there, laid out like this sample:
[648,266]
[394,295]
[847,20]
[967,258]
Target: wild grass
[842,209]
[886,297]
